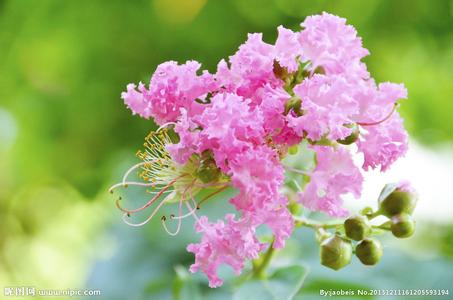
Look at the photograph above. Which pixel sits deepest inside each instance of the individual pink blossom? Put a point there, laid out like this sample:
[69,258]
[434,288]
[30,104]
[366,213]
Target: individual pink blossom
[288,49]
[228,243]
[251,67]
[258,175]
[384,143]
[272,106]
[135,101]
[376,101]
[225,78]
[279,220]
[227,126]
[334,176]
[328,42]
[287,137]
[230,127]
[172,87]
[327,106]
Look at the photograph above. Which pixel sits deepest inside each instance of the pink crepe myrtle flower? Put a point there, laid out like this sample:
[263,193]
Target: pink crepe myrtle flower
[376,101]
[239,128]
[334,176]
[135,101]
[172,87]
[383,143]
[230,126]
[232,129]
[279,220]
[251,67]
[259,188]
[228,243]
[259,185]
[288,49]
[272,107]
[327,41]
[327,105]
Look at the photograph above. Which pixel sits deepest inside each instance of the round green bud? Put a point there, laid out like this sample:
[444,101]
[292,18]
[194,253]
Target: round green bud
[352,138]
[357,227]
[402,226]
[398,202]
[336,252]
[369,251]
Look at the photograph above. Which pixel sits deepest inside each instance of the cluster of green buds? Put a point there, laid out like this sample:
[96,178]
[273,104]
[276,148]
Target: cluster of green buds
[398,204]
[356,235]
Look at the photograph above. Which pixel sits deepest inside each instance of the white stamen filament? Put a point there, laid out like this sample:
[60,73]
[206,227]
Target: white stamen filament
[191,212]
[125,184]
[132,169]
[147,220]
[194,214]
[160,193]
[178,227]
[165,125]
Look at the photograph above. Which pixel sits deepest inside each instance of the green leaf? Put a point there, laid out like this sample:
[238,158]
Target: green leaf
[284,283]
[253,289]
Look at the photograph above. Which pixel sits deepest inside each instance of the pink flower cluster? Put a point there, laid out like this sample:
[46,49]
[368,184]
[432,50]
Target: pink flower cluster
[242,115]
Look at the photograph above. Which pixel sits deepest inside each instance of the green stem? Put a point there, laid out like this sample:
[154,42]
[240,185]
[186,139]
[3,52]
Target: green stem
[301,221]
[383,226]
[373,215]
[260,265]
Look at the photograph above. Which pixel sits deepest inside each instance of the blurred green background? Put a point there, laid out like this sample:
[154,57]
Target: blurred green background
[65,135]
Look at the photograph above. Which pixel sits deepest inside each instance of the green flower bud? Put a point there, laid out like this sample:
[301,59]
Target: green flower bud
[369,251]
[357,227]
[396,201]
[352,138]
[336,252]
[207,171]
[402,226]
